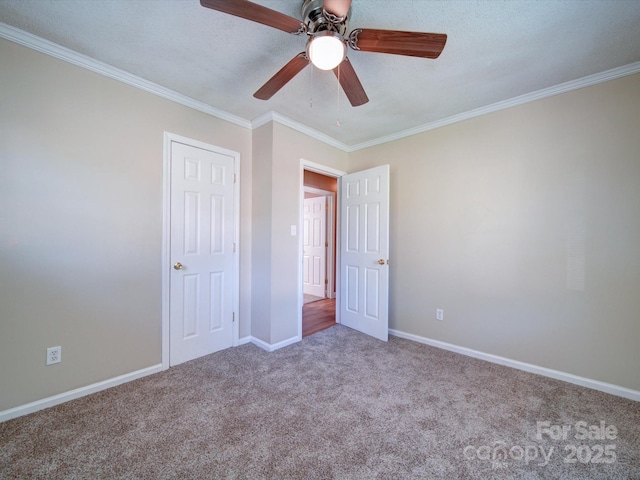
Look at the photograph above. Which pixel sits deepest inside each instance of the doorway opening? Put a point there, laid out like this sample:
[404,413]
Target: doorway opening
[362,253]
[319,227]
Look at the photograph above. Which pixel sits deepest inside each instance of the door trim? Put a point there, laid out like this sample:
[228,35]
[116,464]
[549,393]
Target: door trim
[329,172]
[329,231]
[166,235]
[311,286]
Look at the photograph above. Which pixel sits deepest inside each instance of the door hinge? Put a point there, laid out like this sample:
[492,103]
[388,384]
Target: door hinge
[234,247]
[326,281]
[326,244]
[234,317]
[235,178]
[326,207]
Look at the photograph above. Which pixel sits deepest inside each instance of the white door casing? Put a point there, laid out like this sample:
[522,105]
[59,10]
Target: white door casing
[202,260]
[314,245]
[330,172]
[364,251]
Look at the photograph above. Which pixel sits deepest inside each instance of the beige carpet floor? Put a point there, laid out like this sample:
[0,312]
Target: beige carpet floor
[336,405]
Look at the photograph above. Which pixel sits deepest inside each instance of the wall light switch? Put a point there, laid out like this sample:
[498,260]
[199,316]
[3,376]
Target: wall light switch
[439,314]
[294,230]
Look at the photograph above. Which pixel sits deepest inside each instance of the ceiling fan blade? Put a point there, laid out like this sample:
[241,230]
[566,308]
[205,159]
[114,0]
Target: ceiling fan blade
[414,44]
[339,8]
[257,13]
[350,83]
[280,79]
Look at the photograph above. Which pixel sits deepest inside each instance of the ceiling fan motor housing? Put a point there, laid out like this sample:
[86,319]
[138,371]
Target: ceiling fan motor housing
[318,20]
[326,23]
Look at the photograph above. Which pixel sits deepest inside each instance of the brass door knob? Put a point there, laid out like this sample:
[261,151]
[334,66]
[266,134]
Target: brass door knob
[177,266]
[381,261]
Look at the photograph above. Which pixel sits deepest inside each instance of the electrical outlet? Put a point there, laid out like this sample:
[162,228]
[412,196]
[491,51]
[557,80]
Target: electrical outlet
[439,314]
[54,355]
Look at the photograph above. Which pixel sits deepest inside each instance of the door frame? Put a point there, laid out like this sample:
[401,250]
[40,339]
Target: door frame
[329,230]
[166,235]
[329,172]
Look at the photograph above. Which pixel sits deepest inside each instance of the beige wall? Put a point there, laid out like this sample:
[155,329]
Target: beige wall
[81,161]
[290,147]
[278,151]
[261,238]
[524,226]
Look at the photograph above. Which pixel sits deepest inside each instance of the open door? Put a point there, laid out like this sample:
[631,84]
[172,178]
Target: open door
[364,251]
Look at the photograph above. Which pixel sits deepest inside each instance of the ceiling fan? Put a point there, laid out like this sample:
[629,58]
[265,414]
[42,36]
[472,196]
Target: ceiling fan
[326,23]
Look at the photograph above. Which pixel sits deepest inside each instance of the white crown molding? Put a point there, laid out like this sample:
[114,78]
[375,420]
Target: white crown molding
[36,43]
[49,48]
[62,53]
[527,367]
[273,116]
[587,81]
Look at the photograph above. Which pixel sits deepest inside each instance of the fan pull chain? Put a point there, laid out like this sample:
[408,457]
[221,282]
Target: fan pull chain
[312,86]
[338,116]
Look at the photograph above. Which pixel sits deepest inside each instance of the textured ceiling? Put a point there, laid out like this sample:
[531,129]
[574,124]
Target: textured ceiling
[496,50]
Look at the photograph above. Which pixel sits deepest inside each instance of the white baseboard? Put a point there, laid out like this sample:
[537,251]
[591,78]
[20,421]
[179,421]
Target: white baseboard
[527,367]
[273,347]
[112,382]
[77,393]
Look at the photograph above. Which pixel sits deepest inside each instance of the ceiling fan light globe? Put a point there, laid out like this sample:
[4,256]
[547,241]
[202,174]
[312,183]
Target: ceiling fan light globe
[327,50]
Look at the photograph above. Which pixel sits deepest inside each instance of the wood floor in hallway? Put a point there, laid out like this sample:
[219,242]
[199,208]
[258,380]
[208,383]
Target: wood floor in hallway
[317,316]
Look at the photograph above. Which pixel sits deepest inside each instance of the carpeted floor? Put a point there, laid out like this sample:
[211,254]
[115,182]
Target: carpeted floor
[336,405]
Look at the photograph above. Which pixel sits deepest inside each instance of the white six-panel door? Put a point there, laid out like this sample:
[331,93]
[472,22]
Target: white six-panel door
[201,251]
[364,251]
[314,246]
